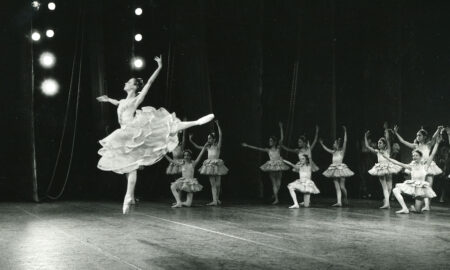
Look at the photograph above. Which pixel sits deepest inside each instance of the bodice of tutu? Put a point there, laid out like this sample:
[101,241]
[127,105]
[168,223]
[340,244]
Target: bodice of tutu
[304,151]
[213,152]
[177,153]
[187,170]
[380,156]
[425,149]
[418,172]
[305,172]
[338,157]
[126,110]
[274,154]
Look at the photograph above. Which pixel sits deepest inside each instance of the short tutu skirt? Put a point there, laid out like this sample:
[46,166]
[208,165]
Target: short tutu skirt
[384,168]
[141,142]
[174,167]
[338,171]
[187,184]
[304,186]
[433,169]
[213,167]
[417,189]
[314,167]
[274,166]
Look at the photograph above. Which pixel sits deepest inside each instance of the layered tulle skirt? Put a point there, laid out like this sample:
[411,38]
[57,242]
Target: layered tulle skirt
[213,167]
[384,168]
[314,167]
[141,142]
[187,184]
[417,189]
[304,186]
[274,166]
[174,168]
[338,171]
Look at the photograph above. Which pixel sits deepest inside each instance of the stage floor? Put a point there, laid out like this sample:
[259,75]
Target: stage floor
[95,235]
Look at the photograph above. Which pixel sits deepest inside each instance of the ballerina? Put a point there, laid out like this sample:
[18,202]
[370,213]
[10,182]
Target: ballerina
[275,166]
[213,166]
[144,136]
[424,145]
[304,148]
[304,184]
[187,182]
[174,168]
[383,169]
[338,170]
[417,187]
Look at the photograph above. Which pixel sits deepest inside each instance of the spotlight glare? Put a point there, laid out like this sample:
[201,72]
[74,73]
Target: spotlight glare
[35,36]
[138,37]
[51,6]
[36,5]
[138,11]
[49,87]
[50,33]
[138,63]
[47,60]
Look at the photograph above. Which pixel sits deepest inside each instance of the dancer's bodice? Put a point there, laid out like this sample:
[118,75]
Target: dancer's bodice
[126,110]
[425,149]
[380,156]
[213,152]
[274,154]
[305,172]
[338,156]
[418,171]
[187,170]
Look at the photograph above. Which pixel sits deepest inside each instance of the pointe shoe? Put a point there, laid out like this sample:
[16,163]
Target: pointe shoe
[402,211]
[337,205]
[186,204]
[425,208]
[213,204]
[386,206]
[295,206]
[205,119]
[126,206]
[177,205]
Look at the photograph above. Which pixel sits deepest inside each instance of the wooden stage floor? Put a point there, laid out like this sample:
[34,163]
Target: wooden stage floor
[95,235]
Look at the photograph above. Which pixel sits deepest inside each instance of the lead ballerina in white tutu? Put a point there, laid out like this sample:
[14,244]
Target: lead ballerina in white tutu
[424,145]
[338,170]
[144,136]
[417,187]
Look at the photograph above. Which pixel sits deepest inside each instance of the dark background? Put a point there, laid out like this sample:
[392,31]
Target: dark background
[251,63]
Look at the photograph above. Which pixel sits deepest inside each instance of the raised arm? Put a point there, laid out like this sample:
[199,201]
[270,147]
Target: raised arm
[292,150]
[219,143]
[388,138]
[289,163]
[107,99]
[366,141]
[150,81]
[316,136]
[325,148]
[406,166]
[344,144]
[408,144]
[433,153]
[255,148]
[169,158]
[436,135]
[280,142]
[447,129]
[197,160]
[193,143]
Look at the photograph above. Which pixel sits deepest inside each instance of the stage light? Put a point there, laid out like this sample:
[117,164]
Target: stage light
[49,33]
[51,6]
[137,63]
[35,36]
[138,11]
[138,37]
[36,5]
[47,60]
[49,87]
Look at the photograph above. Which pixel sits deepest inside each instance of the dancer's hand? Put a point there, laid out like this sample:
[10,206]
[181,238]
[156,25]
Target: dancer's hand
[317,129]
[385,125]
[344,128]
[158,60]
[439,139]
[191,136]
[102,98]
[244,144]
[395,129]
[367,133]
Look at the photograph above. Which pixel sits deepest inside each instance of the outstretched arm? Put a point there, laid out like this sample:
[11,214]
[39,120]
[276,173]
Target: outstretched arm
[289,163]
[183,139]
[406,166]
[366,141]
[200,155]
[433,153]
[292,150]
[325,148]
[219,143]
[169,158]
[254,147]
[193,143]
[107,99]
[149,83]
[388,138]
[344,144]
[408,144]
[316,136]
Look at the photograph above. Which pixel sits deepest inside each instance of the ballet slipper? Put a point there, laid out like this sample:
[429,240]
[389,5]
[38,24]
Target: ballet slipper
[177,205]
[186,204]
[212,204]
[386,206]
[126,205]
[337,205]
[425,208]
[403,211]
[294,206]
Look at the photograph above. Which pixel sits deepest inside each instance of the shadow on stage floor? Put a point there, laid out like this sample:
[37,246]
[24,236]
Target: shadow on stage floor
[95,235]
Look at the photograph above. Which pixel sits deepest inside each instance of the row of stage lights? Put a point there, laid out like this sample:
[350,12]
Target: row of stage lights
[47,60]
[137,62]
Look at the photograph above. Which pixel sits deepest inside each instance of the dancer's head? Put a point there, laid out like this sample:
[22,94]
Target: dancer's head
[187,155]
[212,138]
[273,141]
[395,148]
[304,160]
[417,155]
[337,145]
[133,85]
[302,141]
[421,136]
[382,143]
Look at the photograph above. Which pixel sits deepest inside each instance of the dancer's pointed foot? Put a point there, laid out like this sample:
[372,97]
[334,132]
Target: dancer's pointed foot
[126,205]
[212,204]
[412,208]
[219,202]
[205,119]
[426,208]
[385,206]
[187,204]
[403,211]
[294,206]
[337,205]
[177,205]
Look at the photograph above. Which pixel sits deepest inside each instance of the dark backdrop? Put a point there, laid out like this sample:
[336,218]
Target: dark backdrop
[251,63]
